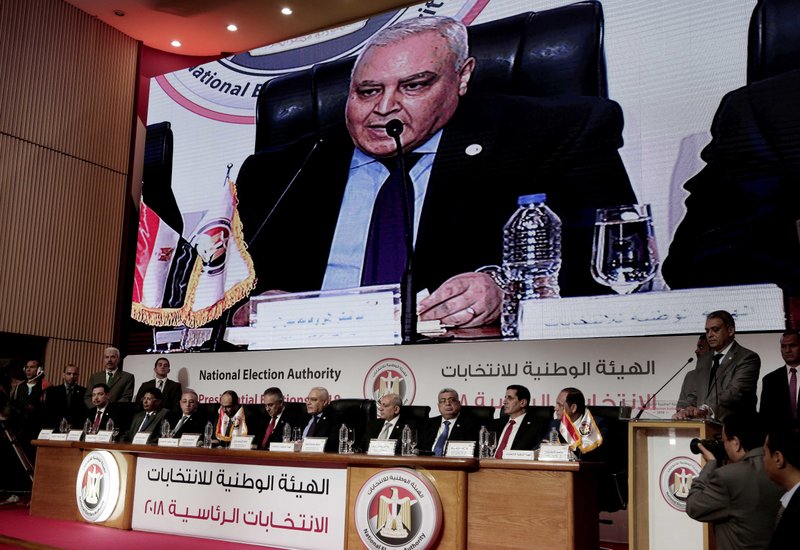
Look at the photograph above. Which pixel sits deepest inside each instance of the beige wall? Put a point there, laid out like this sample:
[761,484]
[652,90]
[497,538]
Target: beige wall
[66,114]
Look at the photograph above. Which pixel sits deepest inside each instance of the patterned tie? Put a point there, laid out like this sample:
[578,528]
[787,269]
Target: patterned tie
[504,441]
[97,420]
[385,431]
[793,391]
[268,433]
[438,449]
[110,376]
[715,365]
[160,385]
[180,424]
[385,252]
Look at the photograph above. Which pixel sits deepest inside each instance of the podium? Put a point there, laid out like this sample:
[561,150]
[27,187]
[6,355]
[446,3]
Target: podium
[661,469]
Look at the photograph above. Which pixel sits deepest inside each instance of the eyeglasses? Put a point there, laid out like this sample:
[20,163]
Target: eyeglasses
[446,400]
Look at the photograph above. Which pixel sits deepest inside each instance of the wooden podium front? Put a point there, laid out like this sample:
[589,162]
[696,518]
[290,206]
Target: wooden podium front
[661,468]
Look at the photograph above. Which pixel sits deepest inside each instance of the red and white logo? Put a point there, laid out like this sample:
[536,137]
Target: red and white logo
[390,375]
[398,508]
[97,486]
[676,480]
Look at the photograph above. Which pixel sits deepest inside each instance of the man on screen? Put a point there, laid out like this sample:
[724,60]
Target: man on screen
[471,158]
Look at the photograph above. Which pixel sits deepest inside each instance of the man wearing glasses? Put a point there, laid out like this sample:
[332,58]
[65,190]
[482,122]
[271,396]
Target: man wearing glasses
[449,425]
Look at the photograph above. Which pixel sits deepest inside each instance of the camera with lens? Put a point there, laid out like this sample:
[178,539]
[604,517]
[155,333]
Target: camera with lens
[714,446]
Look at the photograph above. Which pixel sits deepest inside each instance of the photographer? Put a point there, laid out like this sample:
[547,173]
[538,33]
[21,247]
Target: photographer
[737,498]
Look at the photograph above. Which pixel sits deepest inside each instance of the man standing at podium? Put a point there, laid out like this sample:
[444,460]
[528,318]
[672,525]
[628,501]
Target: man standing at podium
[725,379]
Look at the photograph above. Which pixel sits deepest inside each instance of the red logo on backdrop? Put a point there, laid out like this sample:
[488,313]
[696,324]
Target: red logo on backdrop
[390,375]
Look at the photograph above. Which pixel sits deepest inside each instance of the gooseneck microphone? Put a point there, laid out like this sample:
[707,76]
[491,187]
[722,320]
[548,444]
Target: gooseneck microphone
[671,378]
[408,300]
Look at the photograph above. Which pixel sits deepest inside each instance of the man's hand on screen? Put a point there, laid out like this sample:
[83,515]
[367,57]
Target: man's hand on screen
[465,300]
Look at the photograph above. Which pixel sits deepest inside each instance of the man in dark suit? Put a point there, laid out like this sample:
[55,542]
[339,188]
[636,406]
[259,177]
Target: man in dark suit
[458,427]
[103,411]
[389,424]
[190,420]
[270,429]
[65,400]
[741,215]
[232,420]
[119,382]
[779,388]
[782,463]
[725,379]
[323,421]
[169,389]
[472,158]
[27,408]
[517,430]
[150,418]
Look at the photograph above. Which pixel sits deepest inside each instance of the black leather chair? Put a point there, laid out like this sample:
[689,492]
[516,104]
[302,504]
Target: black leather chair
[773,45]
[417,413]
[355,413]
[483,416]
[538,54]
[613,483]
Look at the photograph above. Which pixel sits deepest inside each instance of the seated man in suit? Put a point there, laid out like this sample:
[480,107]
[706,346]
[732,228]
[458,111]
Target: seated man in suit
[169,389]
[65,400]
[389,424]
[119,382]
[150,418]
[724,380]
[737,497]
[517,430]
[231,420]
[277,418]
[103,410]
[742,211]
[190,420]
[779,388]
[449,425]
[466,155]
[782,463]
[323,421]
[576,425]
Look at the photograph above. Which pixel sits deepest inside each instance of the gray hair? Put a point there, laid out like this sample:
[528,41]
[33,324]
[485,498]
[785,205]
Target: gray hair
[396,400]
[452,30]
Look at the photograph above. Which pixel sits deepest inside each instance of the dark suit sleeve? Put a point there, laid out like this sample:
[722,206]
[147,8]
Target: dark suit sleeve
[127,392]
[743,382]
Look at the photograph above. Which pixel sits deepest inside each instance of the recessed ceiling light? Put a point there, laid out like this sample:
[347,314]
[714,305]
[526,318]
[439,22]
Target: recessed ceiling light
[232,27]
[286,11]
[176,43]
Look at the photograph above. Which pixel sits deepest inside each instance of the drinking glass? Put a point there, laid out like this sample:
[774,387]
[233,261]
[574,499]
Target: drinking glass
[624,255]
[87,426]
[412,441]
[491,440]
[63,426]
[165,429]
[351,439]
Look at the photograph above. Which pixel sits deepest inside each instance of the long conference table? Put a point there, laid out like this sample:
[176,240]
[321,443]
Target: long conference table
[319,500]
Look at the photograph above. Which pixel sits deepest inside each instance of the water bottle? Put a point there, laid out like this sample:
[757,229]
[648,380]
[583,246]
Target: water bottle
[207,435]
[87,426]
[554,436]
[405,441]
[63,426]
[343,440]
[483,443]
[531,257]
[287,433]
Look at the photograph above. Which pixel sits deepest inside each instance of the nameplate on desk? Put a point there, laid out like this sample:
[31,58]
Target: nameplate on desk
[382,447]
[58,437]
[282,447]
[554,452]
[168,441]
[314,445]
[460,449]
[241,442]
[346,317]
[141,438]
[104,436]
[74,435]
[45,435]
[189,440]
[512,454]
[756,307]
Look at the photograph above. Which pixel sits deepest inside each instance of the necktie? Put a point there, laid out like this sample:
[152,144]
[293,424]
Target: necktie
[793,391]
[385,431]
[504,441]
[180,424]
[438,449]
[69,396]
[160,385]
[268,433]
[110,376]
[311,428]
[714,366]
[97,420]
[146,422]
[385,252]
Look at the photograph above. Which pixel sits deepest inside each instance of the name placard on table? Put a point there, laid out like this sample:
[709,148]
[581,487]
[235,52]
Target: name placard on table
[282,447]
[513,454]
[168,441]
[460,449]
[382,447]
[314,444]
[242,442]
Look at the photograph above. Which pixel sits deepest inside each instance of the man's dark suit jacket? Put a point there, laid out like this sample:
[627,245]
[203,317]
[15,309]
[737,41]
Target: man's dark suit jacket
[774,405]
[465,429]
[785,536]
[375,427]
[172,394]
[566,148]
[111,412]
[740,224]
[56,408]
[328,426]
[153,428]
[736,381]
[289,416]
[195,425]
[121,388]
[529,434]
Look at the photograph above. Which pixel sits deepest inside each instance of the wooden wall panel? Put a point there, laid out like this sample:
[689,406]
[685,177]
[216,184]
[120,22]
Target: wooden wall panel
[87,356]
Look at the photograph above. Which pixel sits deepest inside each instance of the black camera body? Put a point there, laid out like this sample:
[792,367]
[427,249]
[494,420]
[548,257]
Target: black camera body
[714,446]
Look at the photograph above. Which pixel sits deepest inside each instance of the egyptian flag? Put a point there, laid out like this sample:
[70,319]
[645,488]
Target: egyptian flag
[582,435]
[569,432]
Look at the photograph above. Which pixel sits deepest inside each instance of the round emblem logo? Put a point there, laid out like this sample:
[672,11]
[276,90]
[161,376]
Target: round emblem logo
[398,508]
[97,486]
[390,375]
[676,480]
